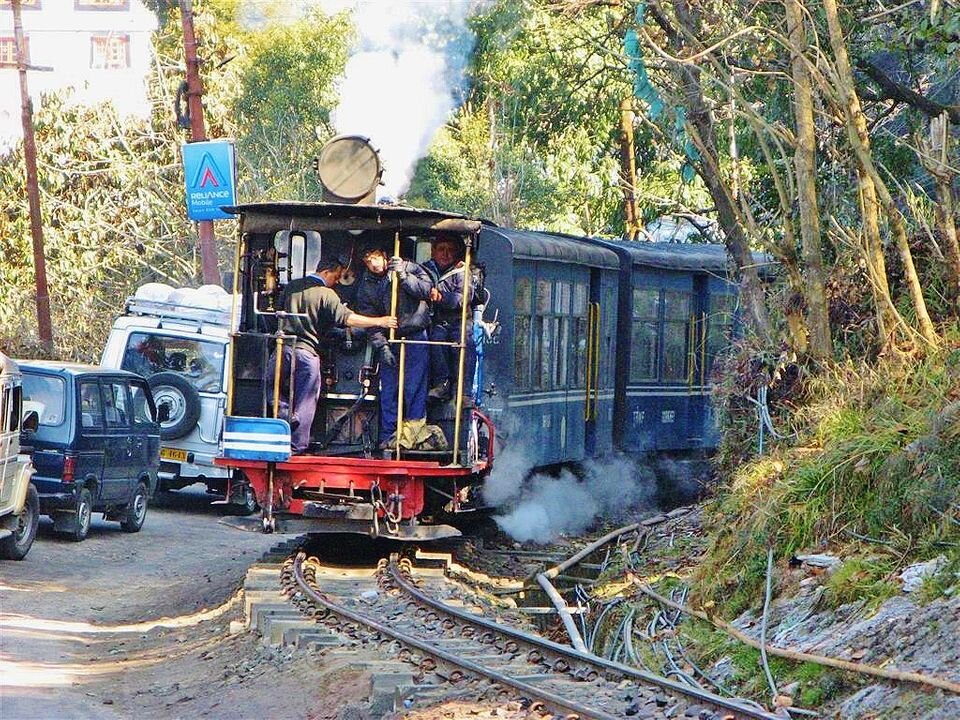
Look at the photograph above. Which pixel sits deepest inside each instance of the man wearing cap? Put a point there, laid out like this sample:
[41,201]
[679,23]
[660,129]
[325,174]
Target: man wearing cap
[413,317]
[311,309]
[446,269]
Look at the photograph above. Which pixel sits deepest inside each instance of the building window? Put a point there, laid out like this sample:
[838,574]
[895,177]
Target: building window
[109,52]
[8,51]
[101,4]
[25,4]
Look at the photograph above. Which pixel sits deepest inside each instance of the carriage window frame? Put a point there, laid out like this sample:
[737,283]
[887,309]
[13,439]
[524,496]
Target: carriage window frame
[523,323]
[579,302]
[645,317]
[721,319]
[562,304]
[544,336]
[675,342]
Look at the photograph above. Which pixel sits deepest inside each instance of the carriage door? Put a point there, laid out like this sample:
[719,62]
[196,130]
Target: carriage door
[600,355]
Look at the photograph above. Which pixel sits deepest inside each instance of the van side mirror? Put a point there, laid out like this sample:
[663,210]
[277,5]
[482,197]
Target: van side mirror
[163,412]
[31,421]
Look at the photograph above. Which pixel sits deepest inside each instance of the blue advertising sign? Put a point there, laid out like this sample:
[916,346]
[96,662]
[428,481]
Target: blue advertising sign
[210,174]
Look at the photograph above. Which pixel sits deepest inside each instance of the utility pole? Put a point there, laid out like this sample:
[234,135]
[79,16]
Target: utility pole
[208,241]
[33,188]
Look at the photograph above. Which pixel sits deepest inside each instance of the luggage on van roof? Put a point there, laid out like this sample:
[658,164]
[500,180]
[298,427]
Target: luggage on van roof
[208,303]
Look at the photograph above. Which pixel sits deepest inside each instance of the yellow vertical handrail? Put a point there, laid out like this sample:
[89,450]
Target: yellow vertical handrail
[703,349]
[394,302]
[463,347]
[277,369]
[596,361]
[588,374]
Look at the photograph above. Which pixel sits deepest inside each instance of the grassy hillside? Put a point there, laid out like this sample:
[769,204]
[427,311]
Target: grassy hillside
[870,472]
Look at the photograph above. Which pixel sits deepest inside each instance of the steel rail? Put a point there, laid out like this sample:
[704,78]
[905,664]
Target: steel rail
[555,702]
[578,657]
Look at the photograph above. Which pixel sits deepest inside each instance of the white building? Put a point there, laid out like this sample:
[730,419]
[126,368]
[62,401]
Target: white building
[101,48]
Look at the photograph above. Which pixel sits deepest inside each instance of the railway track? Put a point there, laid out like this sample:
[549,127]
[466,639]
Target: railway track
[481,658]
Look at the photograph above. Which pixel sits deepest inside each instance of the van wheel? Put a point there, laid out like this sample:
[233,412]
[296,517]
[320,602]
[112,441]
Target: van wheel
[83,516]
[182,401]
[18,545]
[136,511]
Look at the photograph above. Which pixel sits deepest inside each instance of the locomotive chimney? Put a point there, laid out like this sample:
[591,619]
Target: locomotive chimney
[349,169]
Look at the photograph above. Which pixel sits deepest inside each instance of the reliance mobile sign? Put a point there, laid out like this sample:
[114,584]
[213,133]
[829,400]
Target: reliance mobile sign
[209,171]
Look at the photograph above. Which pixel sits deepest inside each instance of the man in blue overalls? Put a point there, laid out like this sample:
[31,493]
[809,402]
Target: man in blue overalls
[445,267]
[413,318]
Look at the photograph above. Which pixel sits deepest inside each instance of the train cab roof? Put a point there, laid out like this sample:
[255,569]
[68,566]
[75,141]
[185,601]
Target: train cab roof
[296,215]
[528,245]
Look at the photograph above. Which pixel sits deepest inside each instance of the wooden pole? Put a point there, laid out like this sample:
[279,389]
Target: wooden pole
[44,326]
[208,241]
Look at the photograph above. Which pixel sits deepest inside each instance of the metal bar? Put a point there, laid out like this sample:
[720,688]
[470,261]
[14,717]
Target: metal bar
[463,350]
[596,364]
[703,348]
[691,351]
[234,311]
[579,657]
[588,375]
[424,342]
[277,369]
[401,372]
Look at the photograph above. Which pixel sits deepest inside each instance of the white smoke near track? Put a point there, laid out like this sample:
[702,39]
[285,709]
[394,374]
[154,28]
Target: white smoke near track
[544,507]
[405,76]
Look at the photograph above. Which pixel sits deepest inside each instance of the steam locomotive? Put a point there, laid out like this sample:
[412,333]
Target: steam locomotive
[584,347]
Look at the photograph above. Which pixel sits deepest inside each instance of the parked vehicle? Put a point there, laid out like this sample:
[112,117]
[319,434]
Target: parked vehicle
[19,502]
[178,339]
[96,447]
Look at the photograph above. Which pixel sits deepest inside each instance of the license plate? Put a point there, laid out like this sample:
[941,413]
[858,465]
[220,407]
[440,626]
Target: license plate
[173,454]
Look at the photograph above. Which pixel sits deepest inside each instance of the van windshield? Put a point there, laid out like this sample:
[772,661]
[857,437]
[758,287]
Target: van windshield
[46,394]
[197,361]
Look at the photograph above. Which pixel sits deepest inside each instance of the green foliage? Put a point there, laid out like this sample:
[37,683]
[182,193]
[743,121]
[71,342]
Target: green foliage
[537,144]
[107,188]
[877,457]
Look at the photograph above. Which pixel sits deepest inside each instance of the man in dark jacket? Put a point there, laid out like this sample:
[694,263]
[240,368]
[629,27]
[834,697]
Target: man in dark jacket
[445,267]
[312,309]
[413,318]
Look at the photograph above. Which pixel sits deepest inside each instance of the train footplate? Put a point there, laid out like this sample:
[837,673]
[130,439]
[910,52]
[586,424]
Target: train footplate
[300,525]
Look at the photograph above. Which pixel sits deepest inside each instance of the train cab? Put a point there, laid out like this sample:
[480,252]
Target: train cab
[352,476]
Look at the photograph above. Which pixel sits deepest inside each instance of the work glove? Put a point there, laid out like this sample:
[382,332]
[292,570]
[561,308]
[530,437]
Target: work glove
[387,357]
[398,266]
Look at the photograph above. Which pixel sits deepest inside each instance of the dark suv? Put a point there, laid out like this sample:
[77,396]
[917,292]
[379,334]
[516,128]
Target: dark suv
[97,444]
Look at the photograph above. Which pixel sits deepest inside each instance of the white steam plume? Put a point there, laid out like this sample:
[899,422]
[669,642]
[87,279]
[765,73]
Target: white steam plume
[404,78]
[545,507]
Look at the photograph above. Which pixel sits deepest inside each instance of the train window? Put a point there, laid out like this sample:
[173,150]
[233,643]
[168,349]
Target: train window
[561,307]
[676,334]
[299,253]
[579,370]
[644,338]
[544,294]
[719,326]
[523,296]
[523,305]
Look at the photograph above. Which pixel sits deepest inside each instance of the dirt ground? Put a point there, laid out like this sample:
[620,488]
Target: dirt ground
[78,621]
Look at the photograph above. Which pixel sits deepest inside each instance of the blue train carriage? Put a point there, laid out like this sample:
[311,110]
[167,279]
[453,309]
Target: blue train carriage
[348,480]
[550,384]
[677,308]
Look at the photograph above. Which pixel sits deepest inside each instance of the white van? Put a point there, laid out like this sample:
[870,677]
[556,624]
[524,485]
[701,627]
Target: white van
[179,340]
